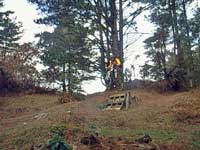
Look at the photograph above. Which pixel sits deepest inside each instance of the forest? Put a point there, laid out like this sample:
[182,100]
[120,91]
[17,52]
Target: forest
[47,108]
[87,34]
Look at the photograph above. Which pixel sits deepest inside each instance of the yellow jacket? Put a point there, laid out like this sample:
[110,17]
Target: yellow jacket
[116,62]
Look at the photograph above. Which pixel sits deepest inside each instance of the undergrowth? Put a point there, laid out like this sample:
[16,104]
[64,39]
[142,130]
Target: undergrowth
[155,134]
[196,140]
[57,141]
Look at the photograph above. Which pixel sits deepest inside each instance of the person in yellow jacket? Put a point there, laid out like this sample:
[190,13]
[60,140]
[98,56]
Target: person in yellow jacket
[113,62]
[117,61]
[112,71]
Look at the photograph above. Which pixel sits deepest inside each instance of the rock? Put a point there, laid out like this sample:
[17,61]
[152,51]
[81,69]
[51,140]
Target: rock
[90,140]
[40,115]
[66,98]
[37,147]
[146,139]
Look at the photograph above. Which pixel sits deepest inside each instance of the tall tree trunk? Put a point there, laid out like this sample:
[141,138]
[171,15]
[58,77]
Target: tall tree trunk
[180,57]
[115,42]
[63,80]
[107,34]
[180,81]
[187,31]
[191,65]
[172,25]
[69,78]
[121,39]
[164,59]
[114,32]
[102,47]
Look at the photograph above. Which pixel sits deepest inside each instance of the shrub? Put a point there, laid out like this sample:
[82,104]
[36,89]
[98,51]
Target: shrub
[7,83]
[57,142]
[58,130]
[196,140]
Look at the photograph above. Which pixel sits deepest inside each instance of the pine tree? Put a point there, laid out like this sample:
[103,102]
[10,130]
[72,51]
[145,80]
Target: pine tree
[68,57]
[10,33]
[194,24]
[104,18]
[157,45]
[172,27]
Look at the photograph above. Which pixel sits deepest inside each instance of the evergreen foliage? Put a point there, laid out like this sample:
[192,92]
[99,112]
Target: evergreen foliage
[67,54]
[57,142]
[105,20]
[10,33]
[172,53]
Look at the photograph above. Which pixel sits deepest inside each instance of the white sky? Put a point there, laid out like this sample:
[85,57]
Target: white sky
[27,13]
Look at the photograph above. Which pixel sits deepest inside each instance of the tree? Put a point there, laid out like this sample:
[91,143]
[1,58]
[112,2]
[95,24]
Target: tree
[159,51]
[113,27]
[10,33]
[145,71]
[194,24]
[67,51]
[105,20]
[22,72]
[67,55]
[170,18]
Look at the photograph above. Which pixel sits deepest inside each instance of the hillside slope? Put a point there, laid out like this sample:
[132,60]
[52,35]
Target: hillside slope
[171,119]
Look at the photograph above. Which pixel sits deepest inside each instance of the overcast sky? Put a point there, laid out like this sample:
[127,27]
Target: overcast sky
[27,13]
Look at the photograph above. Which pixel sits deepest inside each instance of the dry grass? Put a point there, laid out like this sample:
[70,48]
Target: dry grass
[187,108]
[170,119]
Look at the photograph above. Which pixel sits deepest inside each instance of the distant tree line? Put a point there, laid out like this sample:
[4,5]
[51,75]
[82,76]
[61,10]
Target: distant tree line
[173,50]
[103,22]
[17,61]
[88,33]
